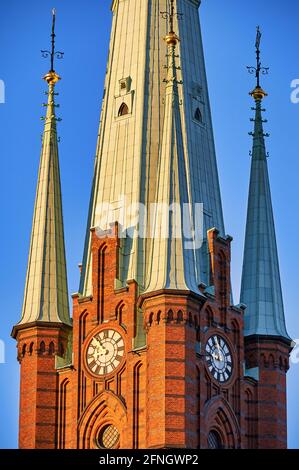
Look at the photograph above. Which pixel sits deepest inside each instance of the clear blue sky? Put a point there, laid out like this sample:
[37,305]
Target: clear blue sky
[83,30]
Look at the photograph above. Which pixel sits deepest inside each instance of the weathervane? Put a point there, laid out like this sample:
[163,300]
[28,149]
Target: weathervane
[52,77]
[171,15]
[258,92]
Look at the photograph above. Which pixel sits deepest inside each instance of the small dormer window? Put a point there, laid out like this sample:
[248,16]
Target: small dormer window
[198,115]
[123,110]
[124,98]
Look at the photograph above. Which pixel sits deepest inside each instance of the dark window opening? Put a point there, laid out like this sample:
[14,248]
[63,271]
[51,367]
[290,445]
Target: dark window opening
[123,110]
[198,115]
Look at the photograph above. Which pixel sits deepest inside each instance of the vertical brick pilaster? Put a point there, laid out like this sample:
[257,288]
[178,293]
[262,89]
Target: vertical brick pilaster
[172,410]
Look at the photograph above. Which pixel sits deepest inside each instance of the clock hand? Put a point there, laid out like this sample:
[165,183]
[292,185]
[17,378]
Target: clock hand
[101,348]
[219,351]
[214,356]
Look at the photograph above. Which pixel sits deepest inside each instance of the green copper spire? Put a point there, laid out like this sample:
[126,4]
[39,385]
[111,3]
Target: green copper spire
[46,293]
[261,286]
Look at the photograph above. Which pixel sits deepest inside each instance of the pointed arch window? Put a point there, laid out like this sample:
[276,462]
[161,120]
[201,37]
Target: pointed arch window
[42,347]
[51,348]
[198,115]
[123,110]
[214,440]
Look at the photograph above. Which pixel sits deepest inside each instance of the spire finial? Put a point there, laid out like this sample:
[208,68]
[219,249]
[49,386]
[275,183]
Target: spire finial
[52,77]
[53,39]
[171,17]
[171,38]
[258,93]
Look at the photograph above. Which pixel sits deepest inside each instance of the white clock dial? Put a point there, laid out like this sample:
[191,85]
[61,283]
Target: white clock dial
[105,352]
[219,358]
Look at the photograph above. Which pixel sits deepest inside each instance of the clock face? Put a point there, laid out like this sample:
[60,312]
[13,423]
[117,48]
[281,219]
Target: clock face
[219,358]
[105,352]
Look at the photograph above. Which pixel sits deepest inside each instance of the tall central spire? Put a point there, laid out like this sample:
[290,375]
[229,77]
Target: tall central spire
[261,286]
[46,293]
[133,135]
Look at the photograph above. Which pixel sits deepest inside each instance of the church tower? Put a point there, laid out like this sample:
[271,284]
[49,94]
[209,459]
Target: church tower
[155,356]
[157,347]
[45,326]
[267,343]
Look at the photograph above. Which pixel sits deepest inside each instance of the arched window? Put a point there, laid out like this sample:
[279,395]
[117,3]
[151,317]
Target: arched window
[42,347]
[249,418]
[198,115]
[236,334]
[170,315]
[31,348]
[223,286]
[123,110]
[214,440]
[180,316]
[119,312]
[209,317]
[51,348]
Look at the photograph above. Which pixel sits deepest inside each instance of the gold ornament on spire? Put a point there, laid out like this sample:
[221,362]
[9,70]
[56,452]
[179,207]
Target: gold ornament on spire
[258,93]
[52,77]
[171,38]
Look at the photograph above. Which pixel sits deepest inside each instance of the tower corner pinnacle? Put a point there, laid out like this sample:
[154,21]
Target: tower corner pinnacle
[46,290]
[261,285]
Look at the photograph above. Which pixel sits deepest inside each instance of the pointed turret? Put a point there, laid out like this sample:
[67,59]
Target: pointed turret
[44,331]
[46,292]
[261,286]
[173,263]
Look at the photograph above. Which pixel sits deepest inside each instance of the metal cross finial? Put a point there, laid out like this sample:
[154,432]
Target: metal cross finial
[170,15]
[258,69]
[52,54]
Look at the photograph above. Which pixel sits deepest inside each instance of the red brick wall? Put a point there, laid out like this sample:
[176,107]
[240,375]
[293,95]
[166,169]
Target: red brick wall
[37,346]
[272,358]
[162,395]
